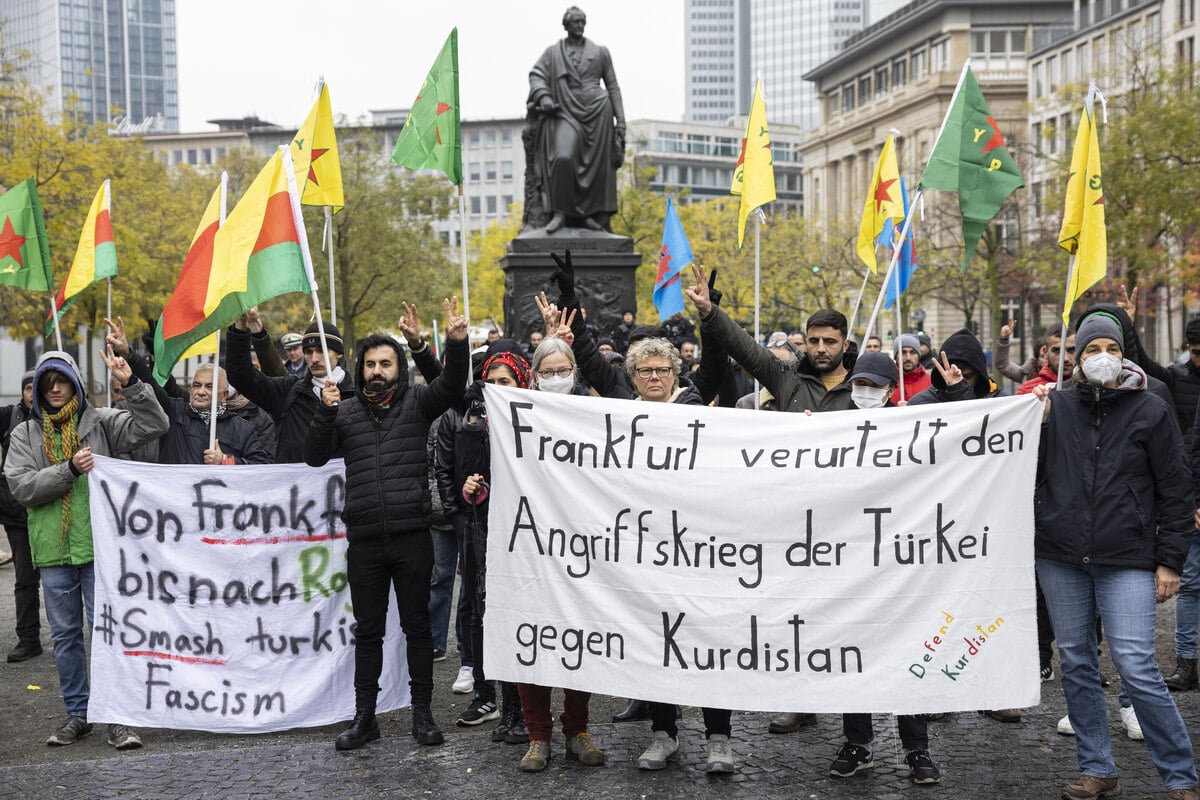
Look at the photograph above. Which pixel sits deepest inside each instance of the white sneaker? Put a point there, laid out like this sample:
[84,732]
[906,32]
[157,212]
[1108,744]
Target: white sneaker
[1064,727]
[1133,728]
[465,682]
[720,755]
[660,749]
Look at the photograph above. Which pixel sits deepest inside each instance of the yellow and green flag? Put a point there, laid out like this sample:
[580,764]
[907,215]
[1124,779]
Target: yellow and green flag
[24,250]
[432,136]
[95,256]
[754,173]
[315,154]
[883,203]
[1083,233]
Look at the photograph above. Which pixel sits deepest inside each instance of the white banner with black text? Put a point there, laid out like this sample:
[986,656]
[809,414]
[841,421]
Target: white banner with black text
[854,561]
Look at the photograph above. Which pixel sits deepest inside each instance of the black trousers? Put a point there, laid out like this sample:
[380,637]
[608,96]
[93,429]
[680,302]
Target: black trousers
[914,730]
[375,567]
[25,587]
[474,588]
[662,718]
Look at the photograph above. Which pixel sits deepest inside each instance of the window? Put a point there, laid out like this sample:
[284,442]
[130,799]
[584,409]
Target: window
[473,138]
[864,88]
[491,204]
[176,156]
[476,205]
[489,171]
[1036,135]
[899,73]
[1017,41]
[506,137]
[1052,72]
[978,44]
[939,56]
[506,171]
[506,202]
[489,138]
[920,64]
[848,97]
[191,156]
[473,171]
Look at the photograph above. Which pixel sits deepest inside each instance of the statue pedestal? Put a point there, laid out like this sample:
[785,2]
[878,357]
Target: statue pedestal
[605,266]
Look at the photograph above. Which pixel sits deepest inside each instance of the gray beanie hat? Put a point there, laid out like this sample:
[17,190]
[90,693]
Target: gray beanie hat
[908,340]
[1098,325]
[27,378]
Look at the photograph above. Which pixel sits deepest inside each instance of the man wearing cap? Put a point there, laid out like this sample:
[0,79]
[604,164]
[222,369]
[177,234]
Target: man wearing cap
[916,377]
[381,432]
[293,353]
[51,454]
[15,520]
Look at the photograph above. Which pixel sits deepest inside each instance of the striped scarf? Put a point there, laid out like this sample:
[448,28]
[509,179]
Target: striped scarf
[66,422]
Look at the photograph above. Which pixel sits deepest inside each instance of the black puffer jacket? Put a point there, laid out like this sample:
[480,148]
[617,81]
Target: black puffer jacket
[962,349]
[12,513]
[387,474]
[1184,384]
[1113,485]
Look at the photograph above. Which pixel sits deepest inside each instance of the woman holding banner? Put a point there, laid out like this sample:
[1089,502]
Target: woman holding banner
[1114,513]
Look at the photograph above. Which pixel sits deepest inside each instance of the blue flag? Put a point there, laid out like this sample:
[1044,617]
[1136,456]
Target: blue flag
[673,257]
[907,263]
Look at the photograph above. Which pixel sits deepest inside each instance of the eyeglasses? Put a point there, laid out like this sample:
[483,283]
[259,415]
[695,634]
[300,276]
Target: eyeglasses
[646,372]
[561,372]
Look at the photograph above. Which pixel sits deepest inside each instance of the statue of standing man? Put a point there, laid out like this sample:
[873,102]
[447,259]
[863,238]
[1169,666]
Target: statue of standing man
[578,130]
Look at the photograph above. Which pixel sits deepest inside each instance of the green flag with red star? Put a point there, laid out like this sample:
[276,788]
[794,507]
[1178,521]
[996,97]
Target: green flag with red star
[970,158]
[24,251]
[431,137]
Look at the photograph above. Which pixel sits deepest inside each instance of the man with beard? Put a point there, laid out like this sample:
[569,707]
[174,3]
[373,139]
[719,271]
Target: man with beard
[381,432]
[916,377]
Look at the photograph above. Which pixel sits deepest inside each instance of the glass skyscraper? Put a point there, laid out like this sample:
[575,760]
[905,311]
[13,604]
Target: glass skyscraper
[117,57]
[716,60]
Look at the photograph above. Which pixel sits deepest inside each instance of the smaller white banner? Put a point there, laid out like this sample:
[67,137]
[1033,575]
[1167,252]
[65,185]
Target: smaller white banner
[222,602]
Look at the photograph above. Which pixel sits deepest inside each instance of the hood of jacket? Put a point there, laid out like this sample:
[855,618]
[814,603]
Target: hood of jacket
[370,343]
[60,362]
[963,349]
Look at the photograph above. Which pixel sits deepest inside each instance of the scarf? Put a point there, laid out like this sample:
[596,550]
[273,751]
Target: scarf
[66,423]
[382,398]
[206,412]
[318,384]
[518,366]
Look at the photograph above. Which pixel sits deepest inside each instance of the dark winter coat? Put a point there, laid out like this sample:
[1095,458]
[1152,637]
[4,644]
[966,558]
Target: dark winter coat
[12,513]
[1157,376]
[796,387]
[962,349]
[1113,484]
[387,474]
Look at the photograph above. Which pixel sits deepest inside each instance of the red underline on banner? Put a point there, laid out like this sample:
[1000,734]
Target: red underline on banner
[173,657]
[323,537]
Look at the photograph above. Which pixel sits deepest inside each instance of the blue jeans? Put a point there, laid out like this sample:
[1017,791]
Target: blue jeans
[1124,599]
[441,587]
[1187,603]
[67,591]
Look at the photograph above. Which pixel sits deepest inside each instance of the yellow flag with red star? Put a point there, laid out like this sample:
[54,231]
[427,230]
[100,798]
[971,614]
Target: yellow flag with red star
[315,154]
[754,173]
[1083,233]
[883,203]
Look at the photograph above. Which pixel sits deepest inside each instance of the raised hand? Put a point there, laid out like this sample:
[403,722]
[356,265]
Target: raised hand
[1008,328]
[1127,300]
[456,324]
[565,277]
[253,320]
[713,292]
[117,365]
[410,326]
[116,336]
[949,372]
[548,310]
[699,293]
[562,328]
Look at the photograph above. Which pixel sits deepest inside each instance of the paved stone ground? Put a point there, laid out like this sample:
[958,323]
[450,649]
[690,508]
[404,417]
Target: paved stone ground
[979,757]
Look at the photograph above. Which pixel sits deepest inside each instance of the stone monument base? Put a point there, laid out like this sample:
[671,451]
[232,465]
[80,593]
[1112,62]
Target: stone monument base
[605,274]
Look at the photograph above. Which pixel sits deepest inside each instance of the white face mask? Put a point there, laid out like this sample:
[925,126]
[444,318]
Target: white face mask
[557,385]
[869,396]
[1102,368]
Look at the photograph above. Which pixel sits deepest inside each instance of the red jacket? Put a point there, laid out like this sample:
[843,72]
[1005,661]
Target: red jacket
[1045,376]
[915,382]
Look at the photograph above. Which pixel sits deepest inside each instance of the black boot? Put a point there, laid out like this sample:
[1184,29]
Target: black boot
[506,714]
[424,729]
[1184,677]
[517,732]
[635,711]
[363,729]
[25,650]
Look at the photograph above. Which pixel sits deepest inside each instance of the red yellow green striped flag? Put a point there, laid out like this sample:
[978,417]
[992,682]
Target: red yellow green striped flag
[254,256]
[95,257]
[199,252]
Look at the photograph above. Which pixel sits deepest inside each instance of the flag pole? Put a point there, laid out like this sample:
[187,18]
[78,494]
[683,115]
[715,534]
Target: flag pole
[212,417]
[758,221]
[899,327]
[327,238]
[54,316]
[1066,315]
[908,216]
[462,245]
[289,169]
[107,369]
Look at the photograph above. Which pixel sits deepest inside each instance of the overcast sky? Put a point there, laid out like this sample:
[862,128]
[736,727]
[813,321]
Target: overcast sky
[246,57]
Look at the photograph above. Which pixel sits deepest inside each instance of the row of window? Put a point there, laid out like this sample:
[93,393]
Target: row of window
[1117,47]
[492,205]
[489,138]
[194,155]
[698,144]
[711,92]
[489,171]
[889,76]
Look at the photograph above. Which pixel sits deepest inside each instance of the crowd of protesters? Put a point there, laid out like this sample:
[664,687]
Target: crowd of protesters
[1115,505]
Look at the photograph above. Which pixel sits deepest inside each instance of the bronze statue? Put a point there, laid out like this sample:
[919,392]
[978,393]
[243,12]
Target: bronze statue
[578,131]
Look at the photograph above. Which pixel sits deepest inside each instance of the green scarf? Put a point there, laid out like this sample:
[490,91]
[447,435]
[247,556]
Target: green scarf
[59,448]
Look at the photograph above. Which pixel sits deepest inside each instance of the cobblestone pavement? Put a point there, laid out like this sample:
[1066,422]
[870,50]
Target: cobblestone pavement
[979,757]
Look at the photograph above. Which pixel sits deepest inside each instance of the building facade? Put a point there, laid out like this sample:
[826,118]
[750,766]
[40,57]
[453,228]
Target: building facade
[718,83]
[115,58]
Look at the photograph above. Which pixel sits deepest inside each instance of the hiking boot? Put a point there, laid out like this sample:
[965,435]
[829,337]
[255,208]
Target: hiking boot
[465,682]
[720,755]
[364,728]
[517,733]
[1133,728]
[1184,794]
[1005,714]
[1089,787]
[74,729]
[1181,680]
[123,737]
[921,768]
[479,712]
[25,651]
[536,756]
[661,748]
[1064,726]
[790,723]
[1047,673]
[581,747]
[424,729]
[851,758]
